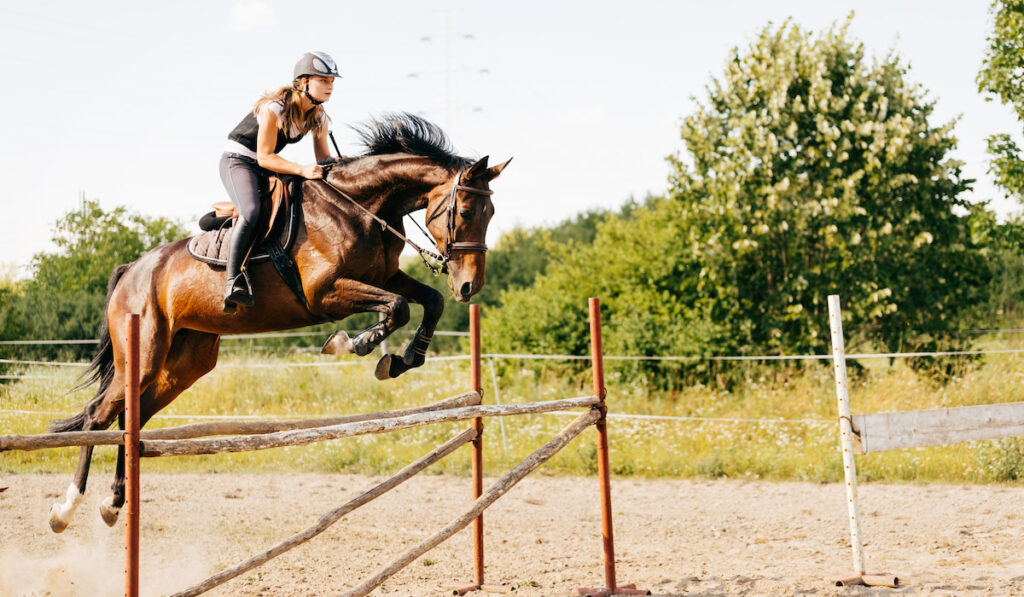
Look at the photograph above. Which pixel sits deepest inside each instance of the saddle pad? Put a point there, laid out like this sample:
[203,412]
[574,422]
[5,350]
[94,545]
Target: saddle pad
[212,247]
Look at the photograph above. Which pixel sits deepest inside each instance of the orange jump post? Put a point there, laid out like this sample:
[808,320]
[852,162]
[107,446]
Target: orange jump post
[597,356]
[131,458]
[478,463]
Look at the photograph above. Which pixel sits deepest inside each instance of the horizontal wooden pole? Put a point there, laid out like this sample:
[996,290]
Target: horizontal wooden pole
[500,488]
[42,441]
[113,438]
[916,428]
[331,517]
[299,437]
[258,427]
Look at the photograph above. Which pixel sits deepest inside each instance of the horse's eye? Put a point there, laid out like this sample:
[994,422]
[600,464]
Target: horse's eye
[465,213]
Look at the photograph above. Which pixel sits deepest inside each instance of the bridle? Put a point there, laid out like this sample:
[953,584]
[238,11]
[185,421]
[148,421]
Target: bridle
[443,256]
[450,243]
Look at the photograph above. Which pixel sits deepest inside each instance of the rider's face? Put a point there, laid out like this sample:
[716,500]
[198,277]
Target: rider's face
[321,87]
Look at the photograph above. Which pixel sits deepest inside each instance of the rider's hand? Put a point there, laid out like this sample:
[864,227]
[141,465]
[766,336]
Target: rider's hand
[313,171]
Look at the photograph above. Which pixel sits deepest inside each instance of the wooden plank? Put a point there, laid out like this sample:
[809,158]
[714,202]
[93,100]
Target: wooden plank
[61,440]
[42,441]
[299,437]
[937,427]
[210,428]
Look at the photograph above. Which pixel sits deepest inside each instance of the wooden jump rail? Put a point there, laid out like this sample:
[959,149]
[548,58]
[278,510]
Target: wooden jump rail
[115,438]
[260,435]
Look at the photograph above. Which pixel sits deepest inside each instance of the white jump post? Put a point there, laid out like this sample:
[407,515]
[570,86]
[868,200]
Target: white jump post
[846,434]
[859,575]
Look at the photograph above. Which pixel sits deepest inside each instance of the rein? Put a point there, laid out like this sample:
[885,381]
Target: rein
[444,255]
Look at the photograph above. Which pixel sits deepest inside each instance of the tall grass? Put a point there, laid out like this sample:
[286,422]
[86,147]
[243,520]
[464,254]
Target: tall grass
[779,424]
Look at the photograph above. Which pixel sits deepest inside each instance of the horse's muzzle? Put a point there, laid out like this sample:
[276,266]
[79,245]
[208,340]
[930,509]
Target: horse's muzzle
[464,292]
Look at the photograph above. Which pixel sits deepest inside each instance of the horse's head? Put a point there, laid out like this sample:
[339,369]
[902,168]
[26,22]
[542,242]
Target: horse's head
[457,216]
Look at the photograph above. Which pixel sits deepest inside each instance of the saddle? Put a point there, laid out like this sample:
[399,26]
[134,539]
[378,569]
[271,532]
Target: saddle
[280,222]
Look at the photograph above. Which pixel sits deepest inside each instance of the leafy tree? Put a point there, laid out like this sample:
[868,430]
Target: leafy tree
[91,243]
[1004,296]
[11,291]
[1002,76]
[65,297]
[807,172]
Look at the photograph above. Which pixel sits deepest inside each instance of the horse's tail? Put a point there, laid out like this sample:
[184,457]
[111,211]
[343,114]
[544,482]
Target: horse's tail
[101,369]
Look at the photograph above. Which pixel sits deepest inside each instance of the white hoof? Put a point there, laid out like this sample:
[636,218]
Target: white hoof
[109,512]
[57,524]
[338,343]
[60,514]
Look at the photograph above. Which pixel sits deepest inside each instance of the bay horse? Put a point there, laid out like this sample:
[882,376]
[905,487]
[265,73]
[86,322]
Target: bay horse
[348,264]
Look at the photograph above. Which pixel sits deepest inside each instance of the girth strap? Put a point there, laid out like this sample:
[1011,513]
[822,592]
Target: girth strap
[288,271]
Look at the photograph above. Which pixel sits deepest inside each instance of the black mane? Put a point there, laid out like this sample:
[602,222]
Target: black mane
[407,133]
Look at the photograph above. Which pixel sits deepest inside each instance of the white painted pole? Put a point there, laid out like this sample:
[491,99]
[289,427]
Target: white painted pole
[497,400]
[846,430]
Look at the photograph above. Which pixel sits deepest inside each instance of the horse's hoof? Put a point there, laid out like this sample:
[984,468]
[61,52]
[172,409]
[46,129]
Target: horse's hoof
[60,513]
[109,512]
[383,370]
[57,524]
[390,366]
[338,343]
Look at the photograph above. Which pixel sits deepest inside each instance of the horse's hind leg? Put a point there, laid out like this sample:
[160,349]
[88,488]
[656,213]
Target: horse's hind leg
[111,506]
[60,513]
[192,355]
[101,411]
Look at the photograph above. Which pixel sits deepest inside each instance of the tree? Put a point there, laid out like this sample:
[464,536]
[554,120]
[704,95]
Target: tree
[807,172]
[65,297]
[1002,76]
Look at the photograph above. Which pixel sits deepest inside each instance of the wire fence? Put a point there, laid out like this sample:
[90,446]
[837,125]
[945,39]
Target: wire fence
[509,356]
[571,357]
[436,333]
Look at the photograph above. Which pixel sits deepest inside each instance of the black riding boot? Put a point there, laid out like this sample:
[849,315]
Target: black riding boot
[237,291]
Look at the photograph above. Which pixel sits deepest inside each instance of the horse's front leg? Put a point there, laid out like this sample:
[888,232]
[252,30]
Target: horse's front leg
[346,297]
[391,366]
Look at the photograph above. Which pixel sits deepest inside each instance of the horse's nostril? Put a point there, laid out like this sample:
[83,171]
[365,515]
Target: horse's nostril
[467,289]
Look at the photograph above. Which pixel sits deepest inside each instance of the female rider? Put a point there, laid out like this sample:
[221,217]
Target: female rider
[279,118]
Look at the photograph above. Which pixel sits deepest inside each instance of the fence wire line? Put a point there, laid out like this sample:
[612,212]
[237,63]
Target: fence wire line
[557,412]
[571,357]
[436,333]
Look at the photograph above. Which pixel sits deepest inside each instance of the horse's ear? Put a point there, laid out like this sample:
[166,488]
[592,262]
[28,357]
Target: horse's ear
[494,171]
[476,169]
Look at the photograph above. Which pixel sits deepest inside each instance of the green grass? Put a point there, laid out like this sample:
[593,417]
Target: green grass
[805,450]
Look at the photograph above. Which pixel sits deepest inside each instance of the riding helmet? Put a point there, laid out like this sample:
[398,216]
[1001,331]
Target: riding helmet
[316,63]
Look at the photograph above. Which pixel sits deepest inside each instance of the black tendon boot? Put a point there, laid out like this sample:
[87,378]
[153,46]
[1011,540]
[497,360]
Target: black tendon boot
[237,291]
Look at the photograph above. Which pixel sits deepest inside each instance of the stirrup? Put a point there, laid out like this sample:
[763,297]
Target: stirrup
[238,292]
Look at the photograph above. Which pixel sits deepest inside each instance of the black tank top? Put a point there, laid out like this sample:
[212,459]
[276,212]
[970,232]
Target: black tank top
[246,130]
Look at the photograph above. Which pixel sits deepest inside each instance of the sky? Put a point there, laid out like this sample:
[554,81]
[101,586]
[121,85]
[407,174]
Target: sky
[130,103]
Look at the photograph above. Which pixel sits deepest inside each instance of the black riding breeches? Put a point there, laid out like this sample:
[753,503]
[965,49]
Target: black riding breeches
[245,182]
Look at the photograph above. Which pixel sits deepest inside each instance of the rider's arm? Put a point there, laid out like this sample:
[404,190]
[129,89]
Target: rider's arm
[266,139]
[320,147]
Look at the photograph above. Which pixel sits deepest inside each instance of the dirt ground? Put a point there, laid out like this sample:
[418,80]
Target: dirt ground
[713,538]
